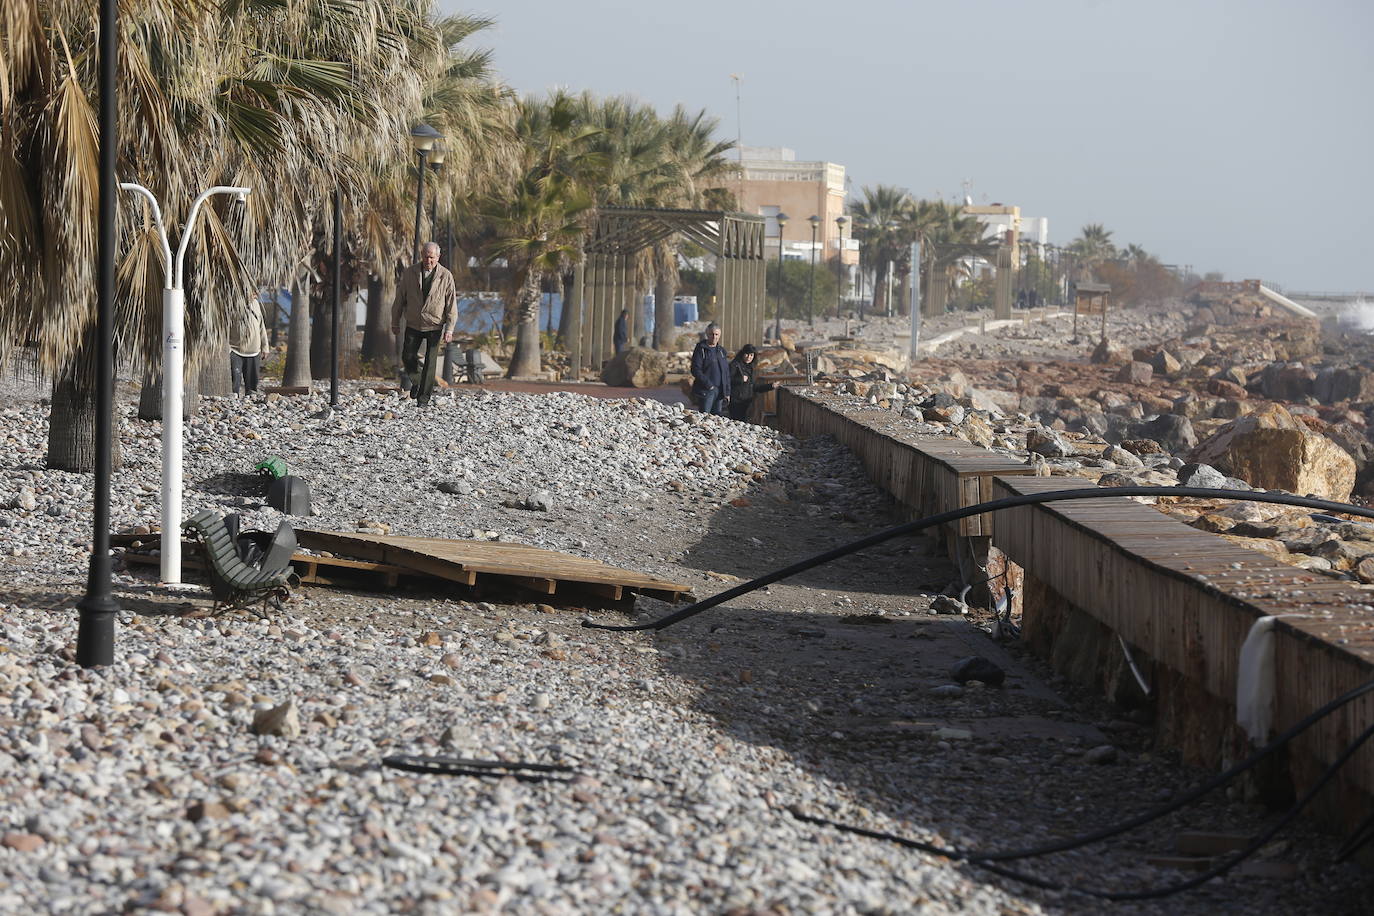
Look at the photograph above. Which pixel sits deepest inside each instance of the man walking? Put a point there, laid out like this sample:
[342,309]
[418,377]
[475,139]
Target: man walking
[247,343]
[711,373]
[425,296]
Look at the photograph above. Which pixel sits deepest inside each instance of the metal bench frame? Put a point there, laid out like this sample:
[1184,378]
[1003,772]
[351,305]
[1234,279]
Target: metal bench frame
[233,583]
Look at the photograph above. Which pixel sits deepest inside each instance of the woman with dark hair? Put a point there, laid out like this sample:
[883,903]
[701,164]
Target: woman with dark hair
[743,383]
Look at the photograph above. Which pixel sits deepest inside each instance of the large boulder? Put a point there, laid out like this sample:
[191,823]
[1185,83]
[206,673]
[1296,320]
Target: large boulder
[1136,373]
[1287,382]
[1351,383]
[1271,449]
[637,367]
[1108,352]
[1170,430]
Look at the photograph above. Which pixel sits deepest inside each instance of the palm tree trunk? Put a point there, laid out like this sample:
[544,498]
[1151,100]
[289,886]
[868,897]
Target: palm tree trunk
[298,340]
[525,361]
[565,316]
[880,288]
[320,327]
[71,419]
[664,290]
[214,378]
[378,341]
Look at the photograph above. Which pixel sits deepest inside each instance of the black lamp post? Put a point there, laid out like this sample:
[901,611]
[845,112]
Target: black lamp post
[334,300]
[422,138]
[97,608]
[777,317]
[811,290]
[839,265]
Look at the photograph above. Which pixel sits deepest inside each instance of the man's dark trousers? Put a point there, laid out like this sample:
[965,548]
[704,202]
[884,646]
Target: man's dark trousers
[410,360]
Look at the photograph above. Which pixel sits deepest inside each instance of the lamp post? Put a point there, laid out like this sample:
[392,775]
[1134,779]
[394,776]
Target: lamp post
[334,301]
[422,139]
[173,356]
[96,609]
[815,222]
[839,265]
[777,317]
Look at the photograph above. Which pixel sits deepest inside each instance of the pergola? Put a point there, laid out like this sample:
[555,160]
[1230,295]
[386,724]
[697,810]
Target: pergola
[604,282]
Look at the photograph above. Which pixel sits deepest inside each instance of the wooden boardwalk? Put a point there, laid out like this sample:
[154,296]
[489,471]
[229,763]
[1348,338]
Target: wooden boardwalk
[384,560]
[465,562]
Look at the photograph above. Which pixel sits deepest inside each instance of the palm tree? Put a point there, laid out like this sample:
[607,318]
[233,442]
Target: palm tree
[538,224]
[1092,247]
[257,92]
[464,101]
[879,218]
[650,161]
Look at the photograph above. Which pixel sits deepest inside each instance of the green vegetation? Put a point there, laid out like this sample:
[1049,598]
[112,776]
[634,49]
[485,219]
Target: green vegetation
[296,99]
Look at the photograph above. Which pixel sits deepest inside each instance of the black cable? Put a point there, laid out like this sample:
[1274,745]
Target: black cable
[462,766]
[989,862]
[1357,839]
[1183,800]
[996,505]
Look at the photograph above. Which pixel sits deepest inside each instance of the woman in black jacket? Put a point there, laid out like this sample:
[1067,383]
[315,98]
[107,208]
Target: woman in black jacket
[743,384]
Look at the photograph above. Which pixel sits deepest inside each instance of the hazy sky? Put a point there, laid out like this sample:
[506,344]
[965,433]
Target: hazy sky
[1233,136]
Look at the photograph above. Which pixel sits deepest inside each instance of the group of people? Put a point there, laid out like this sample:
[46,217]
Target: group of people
[724,386]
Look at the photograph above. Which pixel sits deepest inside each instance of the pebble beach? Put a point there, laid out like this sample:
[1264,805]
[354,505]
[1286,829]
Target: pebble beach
[233,764]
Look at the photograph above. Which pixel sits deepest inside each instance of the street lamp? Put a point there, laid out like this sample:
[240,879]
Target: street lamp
[173,329]
[777,317]
[839,265]
[815,221]
[422,139]
[97,608]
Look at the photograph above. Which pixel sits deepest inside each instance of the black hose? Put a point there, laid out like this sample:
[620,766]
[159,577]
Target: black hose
[462,766]
[989,861]
[996,505]
[1153,814]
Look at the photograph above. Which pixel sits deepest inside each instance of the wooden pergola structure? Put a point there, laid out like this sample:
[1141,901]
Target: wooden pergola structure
[604,281]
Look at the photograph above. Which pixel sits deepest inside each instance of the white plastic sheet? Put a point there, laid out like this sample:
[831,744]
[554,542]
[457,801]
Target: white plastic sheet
[1255,681]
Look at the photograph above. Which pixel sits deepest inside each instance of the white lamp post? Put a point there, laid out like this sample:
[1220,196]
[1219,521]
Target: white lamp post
[173,329]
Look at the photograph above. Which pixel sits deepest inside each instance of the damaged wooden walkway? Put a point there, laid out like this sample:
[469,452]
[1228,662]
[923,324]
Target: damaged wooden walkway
[466,562]
[382,560]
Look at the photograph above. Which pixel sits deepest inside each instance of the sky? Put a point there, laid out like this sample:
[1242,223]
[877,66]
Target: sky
[1232,136]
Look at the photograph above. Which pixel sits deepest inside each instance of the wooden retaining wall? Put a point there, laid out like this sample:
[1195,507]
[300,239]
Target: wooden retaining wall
[1183,599]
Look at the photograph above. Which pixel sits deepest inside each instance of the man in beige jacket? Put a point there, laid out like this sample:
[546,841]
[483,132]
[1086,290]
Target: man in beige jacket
[426,296]
[247,344]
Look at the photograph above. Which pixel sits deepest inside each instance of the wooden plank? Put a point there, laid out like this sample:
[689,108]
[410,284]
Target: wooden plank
[543,586]
[515,561]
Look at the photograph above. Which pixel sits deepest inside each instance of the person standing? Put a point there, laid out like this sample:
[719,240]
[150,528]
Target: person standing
[744,383]
[711,373]
[247,343]
[425,297]
[621,336]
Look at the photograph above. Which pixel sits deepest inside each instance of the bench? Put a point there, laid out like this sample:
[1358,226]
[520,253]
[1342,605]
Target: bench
[234,583]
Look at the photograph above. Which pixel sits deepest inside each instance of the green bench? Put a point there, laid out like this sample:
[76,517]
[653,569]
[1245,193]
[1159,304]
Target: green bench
[234,583]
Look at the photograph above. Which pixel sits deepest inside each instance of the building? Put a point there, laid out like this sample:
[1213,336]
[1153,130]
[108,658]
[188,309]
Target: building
[1027,230]
[774,180]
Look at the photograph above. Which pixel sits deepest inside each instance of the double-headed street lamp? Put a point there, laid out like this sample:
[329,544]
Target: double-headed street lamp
[173,358]
[839,264]
[777,317]
[811,290]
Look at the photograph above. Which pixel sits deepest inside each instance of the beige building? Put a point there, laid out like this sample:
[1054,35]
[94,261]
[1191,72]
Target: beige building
[773,180]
